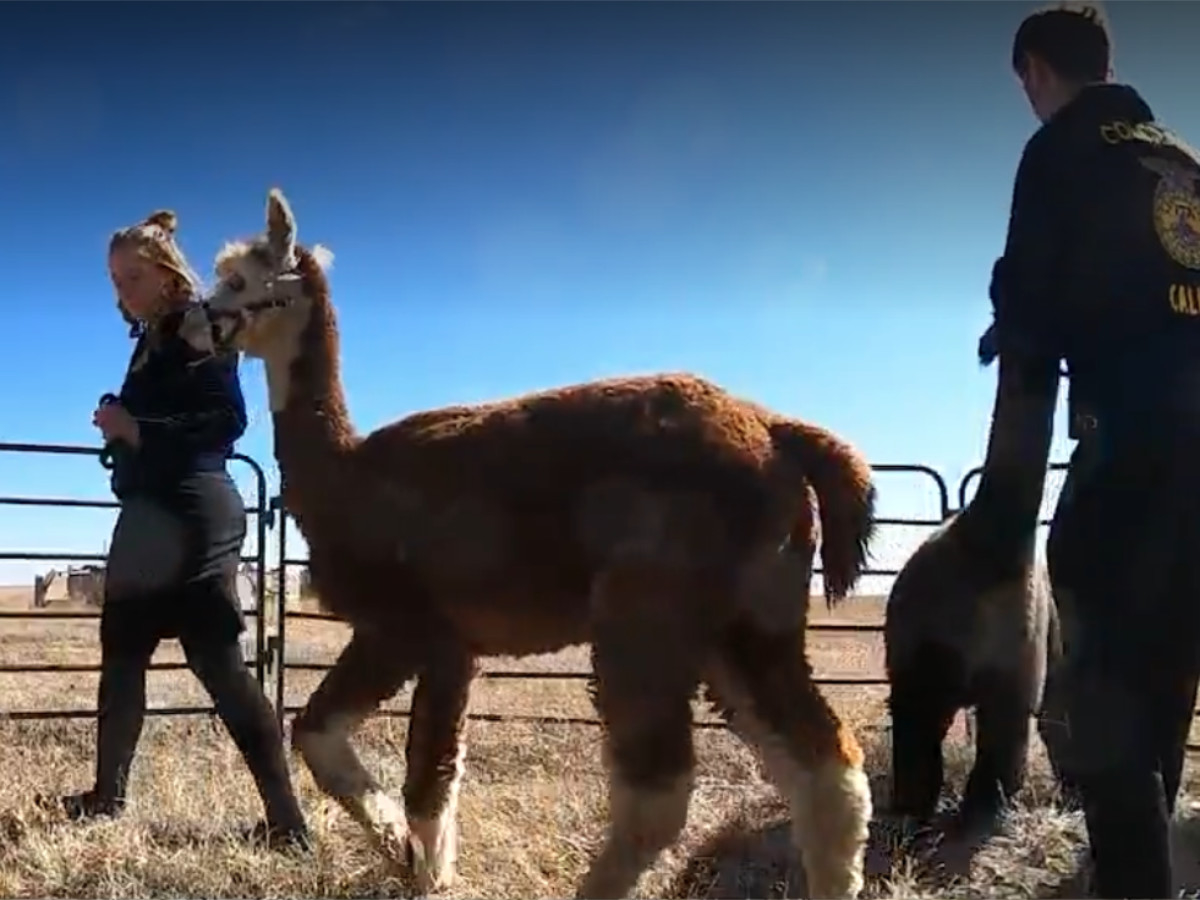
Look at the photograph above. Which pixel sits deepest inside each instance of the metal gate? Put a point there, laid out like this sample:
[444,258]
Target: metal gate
[262,520]
[270,661]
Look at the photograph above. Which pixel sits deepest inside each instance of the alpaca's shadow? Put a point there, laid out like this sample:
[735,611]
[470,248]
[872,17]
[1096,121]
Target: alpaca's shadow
[761,863]
[740,862]
[941,854]
[735,864]
[938,855]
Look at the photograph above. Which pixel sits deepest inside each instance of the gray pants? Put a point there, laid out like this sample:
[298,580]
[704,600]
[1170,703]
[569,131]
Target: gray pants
[172,566]
[147,552]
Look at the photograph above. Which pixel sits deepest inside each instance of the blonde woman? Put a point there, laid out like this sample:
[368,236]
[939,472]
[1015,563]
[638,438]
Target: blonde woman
[176,545]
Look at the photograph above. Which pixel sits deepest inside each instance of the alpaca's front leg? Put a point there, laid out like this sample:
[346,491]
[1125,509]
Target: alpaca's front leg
[366,673]
[435,753]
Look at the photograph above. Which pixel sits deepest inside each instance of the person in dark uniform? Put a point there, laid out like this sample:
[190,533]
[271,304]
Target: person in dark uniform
[1101,270]
[177,541]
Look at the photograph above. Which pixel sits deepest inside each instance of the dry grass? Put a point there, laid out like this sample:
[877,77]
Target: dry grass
[531,812]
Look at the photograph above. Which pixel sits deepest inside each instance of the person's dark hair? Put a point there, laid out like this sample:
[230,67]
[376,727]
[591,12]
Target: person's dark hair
[1073,41]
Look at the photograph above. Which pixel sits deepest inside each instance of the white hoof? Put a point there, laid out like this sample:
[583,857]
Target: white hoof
[433,852]
[830,820]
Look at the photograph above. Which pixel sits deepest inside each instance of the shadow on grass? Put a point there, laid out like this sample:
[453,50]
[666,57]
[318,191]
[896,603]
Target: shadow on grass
[1036,851]
[752,857]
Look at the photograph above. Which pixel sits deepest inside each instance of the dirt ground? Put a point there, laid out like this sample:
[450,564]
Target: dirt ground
[532,808]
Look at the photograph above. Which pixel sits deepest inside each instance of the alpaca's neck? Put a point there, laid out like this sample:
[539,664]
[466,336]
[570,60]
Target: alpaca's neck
[331,498]
[313,432]
[1014,469]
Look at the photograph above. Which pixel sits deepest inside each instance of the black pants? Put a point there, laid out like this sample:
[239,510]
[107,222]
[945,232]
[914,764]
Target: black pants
[1124,554]
[171,574]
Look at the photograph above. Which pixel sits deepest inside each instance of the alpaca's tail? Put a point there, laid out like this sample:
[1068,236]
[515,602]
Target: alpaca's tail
[845,492]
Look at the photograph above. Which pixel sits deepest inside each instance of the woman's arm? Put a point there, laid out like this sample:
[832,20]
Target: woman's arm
[210,416]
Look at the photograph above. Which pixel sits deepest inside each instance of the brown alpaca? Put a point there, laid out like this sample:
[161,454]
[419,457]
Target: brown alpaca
[658,518]
[971,621]
[956,641]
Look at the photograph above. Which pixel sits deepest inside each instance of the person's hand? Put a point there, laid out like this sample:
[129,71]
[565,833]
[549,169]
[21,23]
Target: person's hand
[115,423]
[988,348]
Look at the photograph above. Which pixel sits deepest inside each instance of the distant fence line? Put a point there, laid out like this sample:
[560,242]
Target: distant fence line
[269,659]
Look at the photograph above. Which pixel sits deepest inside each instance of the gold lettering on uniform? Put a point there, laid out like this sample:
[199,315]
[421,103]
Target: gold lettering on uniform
[1150,133]
[1184,299]
[1119,131]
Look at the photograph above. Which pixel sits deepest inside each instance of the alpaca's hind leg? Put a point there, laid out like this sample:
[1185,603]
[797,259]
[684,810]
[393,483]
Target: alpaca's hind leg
[1001,746]
[1178,705]
[1052,716]
[925,695]
[367,672]
[434,765]
[1054,733]
[763,686]
[645,675]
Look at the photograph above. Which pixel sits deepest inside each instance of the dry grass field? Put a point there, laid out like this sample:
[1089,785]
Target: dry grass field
[532,805]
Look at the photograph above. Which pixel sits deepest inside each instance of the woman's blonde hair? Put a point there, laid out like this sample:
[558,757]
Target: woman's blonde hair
[154,240]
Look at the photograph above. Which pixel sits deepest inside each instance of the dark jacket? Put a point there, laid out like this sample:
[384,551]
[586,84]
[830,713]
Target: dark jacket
[1101,266]
[190,412]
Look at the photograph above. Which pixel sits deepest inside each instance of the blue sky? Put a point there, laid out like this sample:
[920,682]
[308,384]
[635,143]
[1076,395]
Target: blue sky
[800,200]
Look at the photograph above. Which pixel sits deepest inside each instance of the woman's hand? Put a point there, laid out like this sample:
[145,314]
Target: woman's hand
[115,423]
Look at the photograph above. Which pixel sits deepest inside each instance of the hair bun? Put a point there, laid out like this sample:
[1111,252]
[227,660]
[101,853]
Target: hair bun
[164,219]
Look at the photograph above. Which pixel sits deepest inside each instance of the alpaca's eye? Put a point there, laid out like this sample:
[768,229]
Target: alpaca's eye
[236,282]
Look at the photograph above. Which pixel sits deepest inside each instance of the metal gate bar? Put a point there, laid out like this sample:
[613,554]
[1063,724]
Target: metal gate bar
[263,516]
[270,660]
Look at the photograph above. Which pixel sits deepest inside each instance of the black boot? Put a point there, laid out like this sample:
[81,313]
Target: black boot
[250,720]
[121,712]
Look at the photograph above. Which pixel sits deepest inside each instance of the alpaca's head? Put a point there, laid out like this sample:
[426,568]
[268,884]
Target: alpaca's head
[267,287]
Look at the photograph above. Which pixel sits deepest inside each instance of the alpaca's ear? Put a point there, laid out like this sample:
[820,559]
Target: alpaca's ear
[281,226]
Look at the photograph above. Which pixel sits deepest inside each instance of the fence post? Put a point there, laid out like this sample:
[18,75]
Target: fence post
[280,642]
[262,661]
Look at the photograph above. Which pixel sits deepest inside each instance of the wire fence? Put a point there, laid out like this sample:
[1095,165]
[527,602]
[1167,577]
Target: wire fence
[260,511]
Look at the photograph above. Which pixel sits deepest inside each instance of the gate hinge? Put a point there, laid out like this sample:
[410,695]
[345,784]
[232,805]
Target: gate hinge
[268,654]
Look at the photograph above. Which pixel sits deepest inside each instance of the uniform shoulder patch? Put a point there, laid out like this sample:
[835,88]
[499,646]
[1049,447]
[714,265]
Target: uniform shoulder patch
[1176,209]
